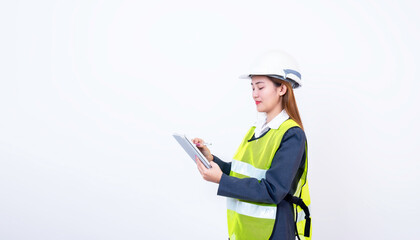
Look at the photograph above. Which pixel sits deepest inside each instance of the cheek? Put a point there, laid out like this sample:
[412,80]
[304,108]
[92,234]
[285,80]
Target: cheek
[272,98]
[266,93]
[270,94]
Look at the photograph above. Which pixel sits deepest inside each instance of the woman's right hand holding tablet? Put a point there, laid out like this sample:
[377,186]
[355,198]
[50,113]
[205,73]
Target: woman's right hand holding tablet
[203,148]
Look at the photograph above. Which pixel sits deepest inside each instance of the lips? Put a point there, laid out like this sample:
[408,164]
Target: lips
[257,102]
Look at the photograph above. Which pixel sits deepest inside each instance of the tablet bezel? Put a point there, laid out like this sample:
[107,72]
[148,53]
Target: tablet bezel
[191,149]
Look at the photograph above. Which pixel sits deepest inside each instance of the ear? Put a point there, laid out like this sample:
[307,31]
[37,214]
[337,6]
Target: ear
[282,90]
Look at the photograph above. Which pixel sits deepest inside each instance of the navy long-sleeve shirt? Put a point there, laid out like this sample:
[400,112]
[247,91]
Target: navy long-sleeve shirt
[282,178]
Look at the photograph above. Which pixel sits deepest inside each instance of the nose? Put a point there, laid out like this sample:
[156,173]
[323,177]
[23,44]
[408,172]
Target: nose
[254,94]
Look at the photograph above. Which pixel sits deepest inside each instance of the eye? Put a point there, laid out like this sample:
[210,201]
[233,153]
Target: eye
[261,88]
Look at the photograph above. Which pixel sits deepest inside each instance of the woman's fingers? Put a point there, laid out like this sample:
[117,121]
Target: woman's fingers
[203,149]
[200,166]
[198,141]
[213,174]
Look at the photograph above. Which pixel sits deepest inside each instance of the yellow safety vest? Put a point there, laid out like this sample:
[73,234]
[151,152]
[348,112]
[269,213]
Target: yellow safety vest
[253,220]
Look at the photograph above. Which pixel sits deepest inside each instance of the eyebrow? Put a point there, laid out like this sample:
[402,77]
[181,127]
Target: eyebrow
[257,83]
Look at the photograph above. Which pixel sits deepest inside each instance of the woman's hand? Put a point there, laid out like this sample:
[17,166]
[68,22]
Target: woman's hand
[203,149]
[213,174]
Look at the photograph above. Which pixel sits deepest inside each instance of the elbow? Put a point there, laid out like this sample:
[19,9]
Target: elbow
[276,194]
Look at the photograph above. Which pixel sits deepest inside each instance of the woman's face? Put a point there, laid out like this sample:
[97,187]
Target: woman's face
[266,94]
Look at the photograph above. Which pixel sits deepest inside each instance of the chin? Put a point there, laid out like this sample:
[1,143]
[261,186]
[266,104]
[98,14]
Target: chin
[260,109]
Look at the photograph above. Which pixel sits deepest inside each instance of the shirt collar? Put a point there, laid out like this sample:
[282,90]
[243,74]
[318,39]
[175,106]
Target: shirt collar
[274,123]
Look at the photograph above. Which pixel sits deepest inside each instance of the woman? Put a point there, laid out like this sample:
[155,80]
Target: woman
[265,183]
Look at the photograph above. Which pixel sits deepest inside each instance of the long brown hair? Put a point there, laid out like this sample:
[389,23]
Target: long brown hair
[289,102]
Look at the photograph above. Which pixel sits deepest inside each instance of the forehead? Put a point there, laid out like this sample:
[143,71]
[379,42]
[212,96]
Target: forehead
[258,79]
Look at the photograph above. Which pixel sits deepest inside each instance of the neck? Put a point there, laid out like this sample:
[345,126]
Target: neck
[273,113]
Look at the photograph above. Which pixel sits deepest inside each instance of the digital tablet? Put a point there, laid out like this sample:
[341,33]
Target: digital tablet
[191,149]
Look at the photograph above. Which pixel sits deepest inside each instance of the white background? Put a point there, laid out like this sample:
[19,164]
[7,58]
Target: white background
[91,91]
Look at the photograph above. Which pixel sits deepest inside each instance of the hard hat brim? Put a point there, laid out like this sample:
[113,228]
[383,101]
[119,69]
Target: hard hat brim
[245,76]
[293,82]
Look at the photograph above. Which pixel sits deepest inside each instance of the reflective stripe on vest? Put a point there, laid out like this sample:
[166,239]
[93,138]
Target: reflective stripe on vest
[247,170]
[301,215]
[250,209]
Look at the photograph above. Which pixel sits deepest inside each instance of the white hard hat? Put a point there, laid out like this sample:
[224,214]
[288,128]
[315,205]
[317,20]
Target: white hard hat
[277,64]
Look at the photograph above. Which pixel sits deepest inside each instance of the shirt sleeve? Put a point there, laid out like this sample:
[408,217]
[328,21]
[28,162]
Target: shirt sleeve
[224,166]
[279,178]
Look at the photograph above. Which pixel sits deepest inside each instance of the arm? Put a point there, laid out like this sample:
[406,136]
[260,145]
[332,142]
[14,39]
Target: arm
[279,178]
[225,166]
